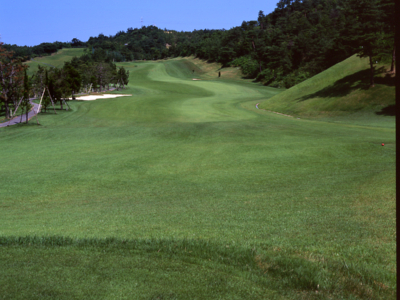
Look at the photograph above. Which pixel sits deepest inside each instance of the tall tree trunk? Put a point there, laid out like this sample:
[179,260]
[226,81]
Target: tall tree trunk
[7,109]
[61,104]
[393,66]
[371,64]
[27,112]
[22,113]
[52,102]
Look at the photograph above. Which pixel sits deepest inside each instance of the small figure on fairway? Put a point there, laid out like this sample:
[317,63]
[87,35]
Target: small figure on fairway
[219,74]
[193,71]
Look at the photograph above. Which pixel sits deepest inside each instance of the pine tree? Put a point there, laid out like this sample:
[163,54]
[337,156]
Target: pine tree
[389,30]
[364,31]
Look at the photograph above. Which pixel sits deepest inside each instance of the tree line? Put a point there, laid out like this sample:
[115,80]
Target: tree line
[299,39]
[25,53]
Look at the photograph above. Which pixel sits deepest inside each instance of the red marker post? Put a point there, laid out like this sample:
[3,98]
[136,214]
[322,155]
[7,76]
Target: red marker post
[383,144]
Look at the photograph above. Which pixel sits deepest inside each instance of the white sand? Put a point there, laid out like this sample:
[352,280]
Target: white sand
[95,97]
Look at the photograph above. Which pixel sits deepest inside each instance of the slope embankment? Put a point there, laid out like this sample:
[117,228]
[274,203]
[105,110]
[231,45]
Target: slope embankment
[341,93]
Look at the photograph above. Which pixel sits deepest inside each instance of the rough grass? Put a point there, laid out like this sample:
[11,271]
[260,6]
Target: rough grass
[341,94]
[186,190]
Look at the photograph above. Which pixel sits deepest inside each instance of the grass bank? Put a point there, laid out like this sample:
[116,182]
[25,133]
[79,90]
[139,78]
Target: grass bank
[341,94]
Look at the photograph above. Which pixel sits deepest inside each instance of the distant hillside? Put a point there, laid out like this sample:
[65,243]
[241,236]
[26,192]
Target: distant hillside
[340,93]
[25,53]
[55,60]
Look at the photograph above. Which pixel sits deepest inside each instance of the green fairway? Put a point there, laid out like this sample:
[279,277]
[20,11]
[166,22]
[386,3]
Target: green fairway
[54,60]
[185,190]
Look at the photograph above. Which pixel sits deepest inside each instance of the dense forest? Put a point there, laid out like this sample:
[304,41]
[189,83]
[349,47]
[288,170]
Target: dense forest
[299,39]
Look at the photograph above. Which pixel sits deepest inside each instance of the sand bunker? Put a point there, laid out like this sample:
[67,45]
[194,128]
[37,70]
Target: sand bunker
[95,97]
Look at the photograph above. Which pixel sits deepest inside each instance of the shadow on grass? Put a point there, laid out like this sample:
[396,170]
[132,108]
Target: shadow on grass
[389,110]
[355,81]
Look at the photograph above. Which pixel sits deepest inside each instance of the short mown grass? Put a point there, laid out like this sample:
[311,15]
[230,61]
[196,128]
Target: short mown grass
[187,190]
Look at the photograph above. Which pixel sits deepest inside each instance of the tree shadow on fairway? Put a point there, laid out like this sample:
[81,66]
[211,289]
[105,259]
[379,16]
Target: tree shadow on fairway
[355,81]
[389,110]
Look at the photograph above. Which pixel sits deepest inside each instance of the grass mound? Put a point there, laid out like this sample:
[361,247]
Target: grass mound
[341,93]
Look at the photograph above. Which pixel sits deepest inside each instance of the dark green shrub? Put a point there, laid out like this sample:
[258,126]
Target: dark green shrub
[249,66]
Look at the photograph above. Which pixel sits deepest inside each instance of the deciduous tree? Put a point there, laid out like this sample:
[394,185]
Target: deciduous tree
[11,79]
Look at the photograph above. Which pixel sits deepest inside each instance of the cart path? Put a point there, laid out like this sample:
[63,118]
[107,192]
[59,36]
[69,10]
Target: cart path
[17,119]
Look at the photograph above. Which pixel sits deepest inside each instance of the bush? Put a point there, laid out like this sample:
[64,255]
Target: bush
[248,65]
[276,78]
[266,76]
[294,78]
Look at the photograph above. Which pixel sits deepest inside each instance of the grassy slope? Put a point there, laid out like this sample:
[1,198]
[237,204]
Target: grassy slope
[203,195]
[341,94]
[54,60]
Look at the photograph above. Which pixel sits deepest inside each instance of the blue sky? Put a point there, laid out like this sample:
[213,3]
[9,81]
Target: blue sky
[33,22]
